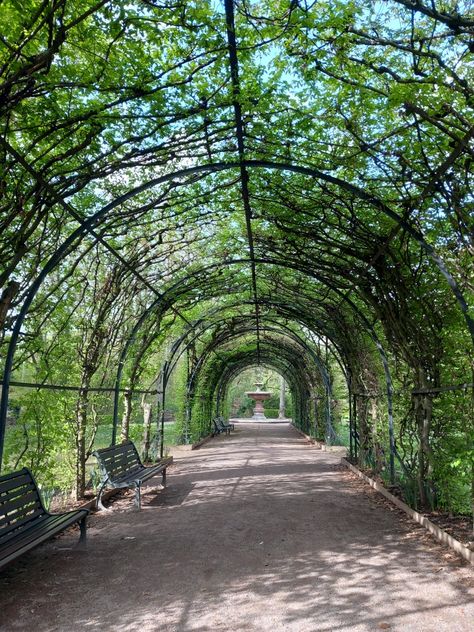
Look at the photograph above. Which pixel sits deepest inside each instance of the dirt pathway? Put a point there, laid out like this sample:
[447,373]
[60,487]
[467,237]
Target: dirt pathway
[256,532]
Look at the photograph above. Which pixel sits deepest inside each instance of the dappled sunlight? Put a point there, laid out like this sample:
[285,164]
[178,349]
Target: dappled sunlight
[248,210]
[267,539]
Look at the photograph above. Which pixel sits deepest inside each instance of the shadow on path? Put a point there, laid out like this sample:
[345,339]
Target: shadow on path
[258,532]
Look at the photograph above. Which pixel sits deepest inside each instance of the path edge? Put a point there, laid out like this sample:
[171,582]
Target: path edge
[311,440]
[319,445]
[436,531]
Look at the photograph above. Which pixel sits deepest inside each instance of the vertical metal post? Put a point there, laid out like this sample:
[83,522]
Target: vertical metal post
[118,379]
[329,428]
[281,411]
[161,419]
[354,423]
[187,419]
[3,413]
[315,417]
[187,409]
[351,438]
[390,431]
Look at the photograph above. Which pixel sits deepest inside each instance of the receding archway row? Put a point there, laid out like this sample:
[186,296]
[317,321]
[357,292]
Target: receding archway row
[287,311]
[213,378]
[292,311]
[192,280]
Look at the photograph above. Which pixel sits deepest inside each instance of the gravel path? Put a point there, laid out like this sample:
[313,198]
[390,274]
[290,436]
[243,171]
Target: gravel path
[255,532]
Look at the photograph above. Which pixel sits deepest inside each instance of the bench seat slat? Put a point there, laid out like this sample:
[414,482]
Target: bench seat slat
[24,522]
[18,518]
[44,528]
[40,525]
[142,474]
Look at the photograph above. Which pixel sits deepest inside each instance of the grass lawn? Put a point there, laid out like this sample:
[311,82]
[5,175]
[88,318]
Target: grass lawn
[104,435]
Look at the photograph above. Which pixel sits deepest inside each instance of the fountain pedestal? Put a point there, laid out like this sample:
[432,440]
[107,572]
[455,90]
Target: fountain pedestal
[259,397]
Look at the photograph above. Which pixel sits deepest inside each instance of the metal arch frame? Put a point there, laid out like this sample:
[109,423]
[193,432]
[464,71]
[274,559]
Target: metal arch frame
[239,367]
[87,226]
[290,332]
[276,361]
[293,334]
[321,367]
[284,365]
[289,351]
[270,343]
[213,312]
[167,370]
[263,328]
[225,338]
[197,273]
[157,304]
[373,335]
[294,371]
[244,359]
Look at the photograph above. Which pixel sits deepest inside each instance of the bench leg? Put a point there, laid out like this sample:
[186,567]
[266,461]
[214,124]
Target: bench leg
[163,477]
[138,500]
[99,504]
[83,527]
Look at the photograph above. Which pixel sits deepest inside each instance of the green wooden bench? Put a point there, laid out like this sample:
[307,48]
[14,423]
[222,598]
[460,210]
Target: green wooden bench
[221,426]
[24,521]
[225,424]
[121,467]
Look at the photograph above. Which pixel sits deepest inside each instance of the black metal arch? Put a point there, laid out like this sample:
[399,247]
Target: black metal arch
[232,371]
[156,305]
[286,365]
[362,318]
[308,350]
[174,356]
[250,329]
[87,227]
[277,350]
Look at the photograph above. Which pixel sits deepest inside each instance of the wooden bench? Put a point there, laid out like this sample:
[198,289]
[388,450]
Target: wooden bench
[221,426]
[121,467]
[224,424]
[24,522]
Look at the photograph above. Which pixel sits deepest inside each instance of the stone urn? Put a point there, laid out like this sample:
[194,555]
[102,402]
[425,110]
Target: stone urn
[259,397]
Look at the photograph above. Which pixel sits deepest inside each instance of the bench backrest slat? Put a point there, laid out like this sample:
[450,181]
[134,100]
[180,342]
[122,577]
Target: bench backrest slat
[20,502]
[14,480]
[119,460]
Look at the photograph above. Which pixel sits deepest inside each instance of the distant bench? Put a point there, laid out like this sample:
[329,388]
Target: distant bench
[121,467]
[24,521]
[221,426]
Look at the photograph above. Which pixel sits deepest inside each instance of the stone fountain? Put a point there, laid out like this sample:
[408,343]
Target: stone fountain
[259,396]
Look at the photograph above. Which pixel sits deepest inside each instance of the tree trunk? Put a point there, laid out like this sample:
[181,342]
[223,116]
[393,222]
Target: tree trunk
[6,299]
[127,412]
[423,415]
[146,430]
[81,424]
[281,411]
